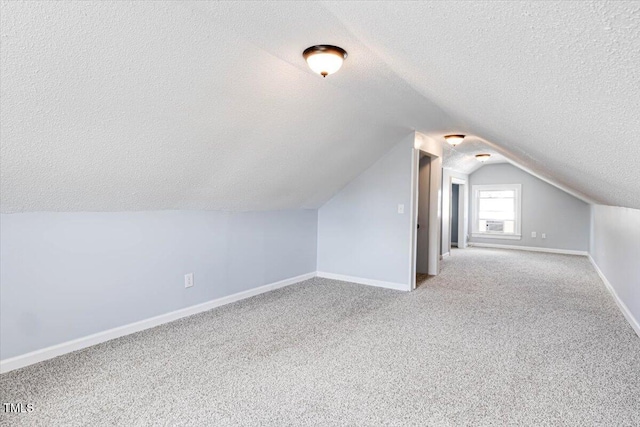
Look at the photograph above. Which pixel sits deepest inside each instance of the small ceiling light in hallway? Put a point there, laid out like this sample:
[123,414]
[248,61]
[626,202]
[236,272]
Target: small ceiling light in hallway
[324,59]
[483,157]
[454,139]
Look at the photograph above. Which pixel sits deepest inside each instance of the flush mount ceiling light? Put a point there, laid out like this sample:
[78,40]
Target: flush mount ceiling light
[483,157]
[454,139]
[324,59]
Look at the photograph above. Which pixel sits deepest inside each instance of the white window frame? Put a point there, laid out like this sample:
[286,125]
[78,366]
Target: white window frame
[517,234]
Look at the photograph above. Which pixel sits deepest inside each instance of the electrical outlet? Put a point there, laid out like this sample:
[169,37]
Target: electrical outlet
[188,280]
[400,209]
[534,234]
[544,235]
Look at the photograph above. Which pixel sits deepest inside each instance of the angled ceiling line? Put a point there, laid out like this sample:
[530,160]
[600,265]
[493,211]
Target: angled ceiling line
[508,154]
[512,159]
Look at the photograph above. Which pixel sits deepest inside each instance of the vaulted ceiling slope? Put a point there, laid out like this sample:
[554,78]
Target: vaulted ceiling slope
[206,105]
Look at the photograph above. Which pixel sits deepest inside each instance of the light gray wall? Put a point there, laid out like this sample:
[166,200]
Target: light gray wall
[68,275]
[615,248]
[545,209]
[360,232]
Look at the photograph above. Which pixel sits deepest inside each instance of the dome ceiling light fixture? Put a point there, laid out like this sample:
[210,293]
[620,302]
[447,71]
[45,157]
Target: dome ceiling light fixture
[454,139]
[483,157]
[324,59]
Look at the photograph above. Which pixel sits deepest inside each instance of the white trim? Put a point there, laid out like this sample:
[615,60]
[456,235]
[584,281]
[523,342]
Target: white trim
[433,148]
[625,311]
[475,190]
[530,248]
[435,214]
[413,221]
[27,359]
[497,236]
[463,214]
[363,281]
[446,255]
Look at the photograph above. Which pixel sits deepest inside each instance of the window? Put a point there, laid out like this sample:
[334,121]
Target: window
[496,211]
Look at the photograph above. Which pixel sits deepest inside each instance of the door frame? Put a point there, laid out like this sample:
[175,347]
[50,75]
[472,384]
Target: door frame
[463,210]
[433,149]
[423,219]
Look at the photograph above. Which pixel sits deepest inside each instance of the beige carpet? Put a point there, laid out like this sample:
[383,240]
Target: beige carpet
[499,338]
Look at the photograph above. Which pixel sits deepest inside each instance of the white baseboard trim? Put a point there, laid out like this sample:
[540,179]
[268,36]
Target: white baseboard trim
[446,255]
[529,248]
[27,359]
[362,281]
[625,311]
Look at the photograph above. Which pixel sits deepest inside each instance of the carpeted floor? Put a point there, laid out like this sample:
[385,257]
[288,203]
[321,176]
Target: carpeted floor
[499,338]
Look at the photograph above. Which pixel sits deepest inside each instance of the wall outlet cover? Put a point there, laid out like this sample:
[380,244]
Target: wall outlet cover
[534,234]
[188,280]
[400,209]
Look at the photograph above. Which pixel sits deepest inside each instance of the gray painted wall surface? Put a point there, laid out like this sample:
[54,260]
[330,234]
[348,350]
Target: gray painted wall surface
[545,209]
[68,275]
[615,248]
[360,232]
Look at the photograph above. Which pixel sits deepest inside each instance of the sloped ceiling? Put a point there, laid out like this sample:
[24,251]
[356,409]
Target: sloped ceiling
[462,158]
[552,85]
[202,105]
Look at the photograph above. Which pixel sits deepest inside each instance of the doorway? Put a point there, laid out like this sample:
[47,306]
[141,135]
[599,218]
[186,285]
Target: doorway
[455,217]
[422,244]
[426,193]
[458,217]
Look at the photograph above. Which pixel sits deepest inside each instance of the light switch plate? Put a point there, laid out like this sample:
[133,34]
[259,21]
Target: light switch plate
[400,209]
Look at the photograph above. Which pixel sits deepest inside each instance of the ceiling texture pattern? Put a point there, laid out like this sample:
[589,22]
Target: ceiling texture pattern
[201,105]
[461,158]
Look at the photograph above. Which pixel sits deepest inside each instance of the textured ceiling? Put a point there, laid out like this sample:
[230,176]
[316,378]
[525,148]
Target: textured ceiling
[552,85]
[199,105]
[462,158]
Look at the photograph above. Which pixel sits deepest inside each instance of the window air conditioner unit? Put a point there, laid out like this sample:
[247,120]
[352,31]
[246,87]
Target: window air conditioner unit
[495,226]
